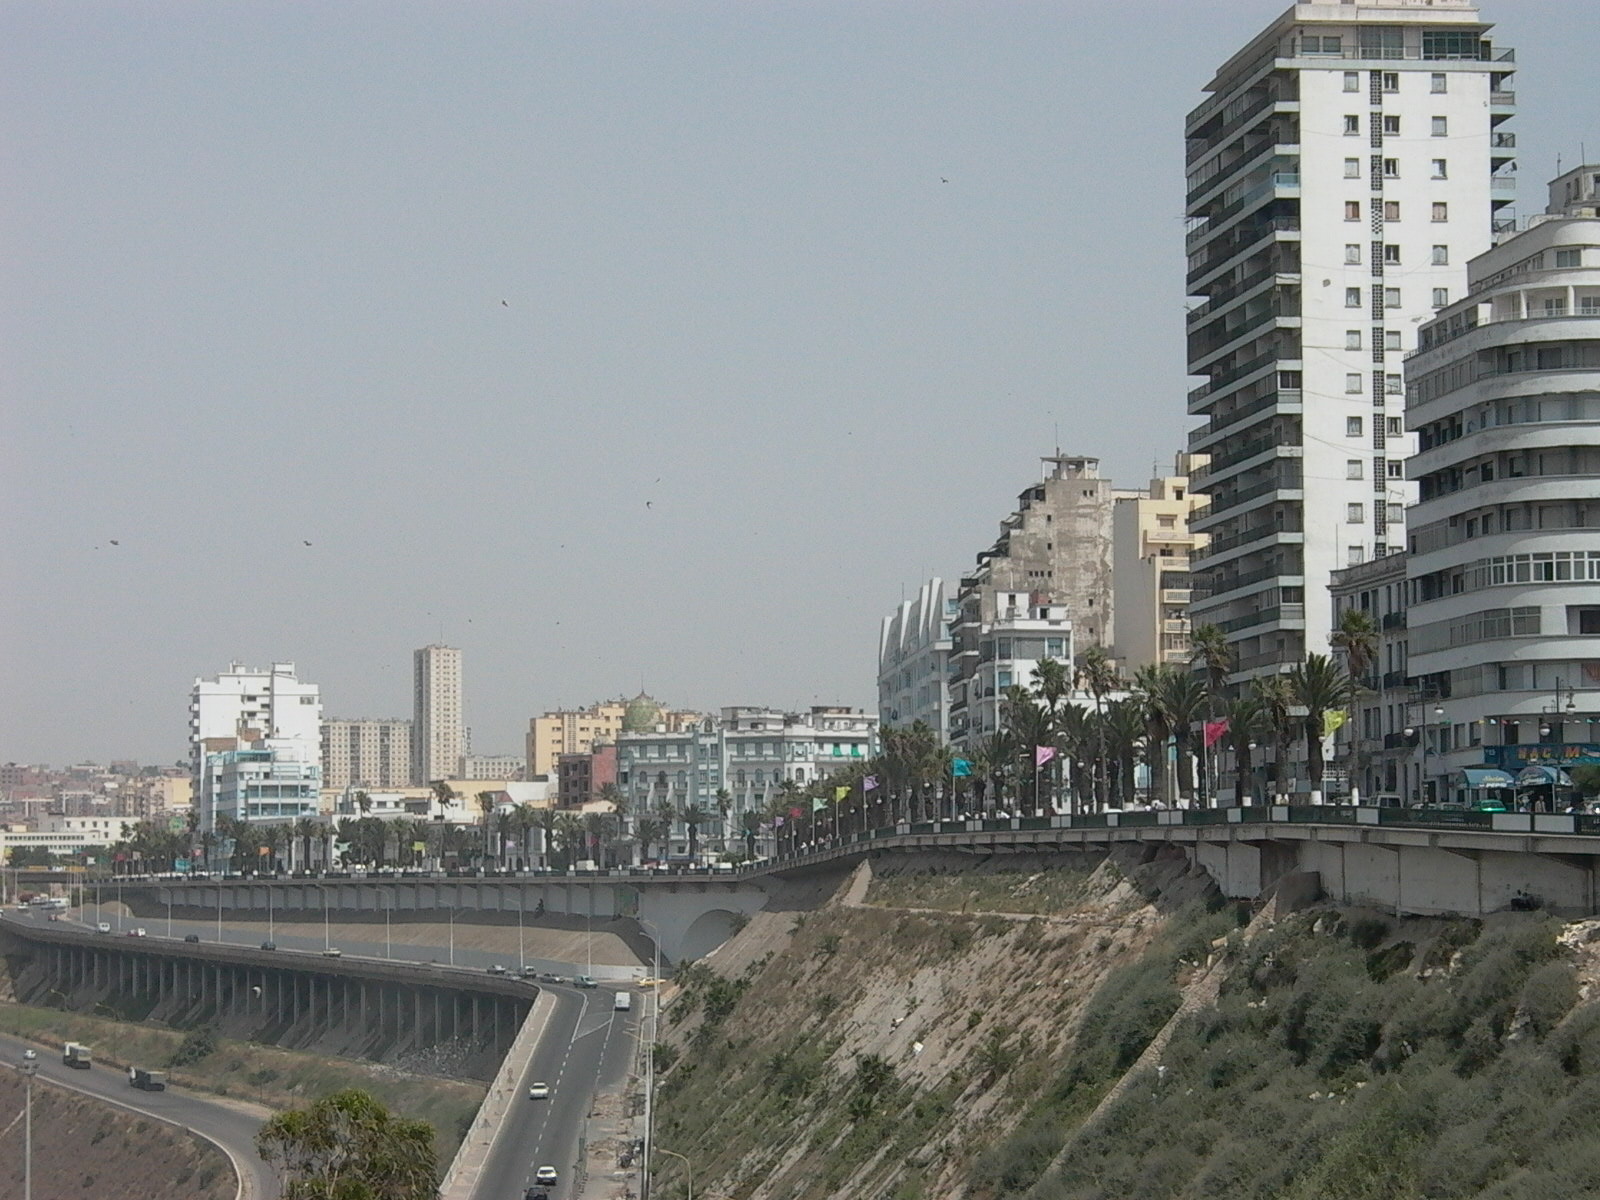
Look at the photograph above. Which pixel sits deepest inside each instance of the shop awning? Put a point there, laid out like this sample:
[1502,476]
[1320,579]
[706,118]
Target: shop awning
[1488,777]
[1541,776]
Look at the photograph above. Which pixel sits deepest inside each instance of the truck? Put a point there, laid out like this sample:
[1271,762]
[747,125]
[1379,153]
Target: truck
[76,1054]
[147,1080]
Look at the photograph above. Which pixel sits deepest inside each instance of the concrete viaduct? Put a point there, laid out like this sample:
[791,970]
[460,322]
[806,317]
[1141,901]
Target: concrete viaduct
[1406,860]
[355,1008]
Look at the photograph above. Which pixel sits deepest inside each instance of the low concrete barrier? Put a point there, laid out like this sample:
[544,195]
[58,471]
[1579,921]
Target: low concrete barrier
[461,1179]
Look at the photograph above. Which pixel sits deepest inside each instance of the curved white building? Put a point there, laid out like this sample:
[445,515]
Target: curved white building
[1504,572]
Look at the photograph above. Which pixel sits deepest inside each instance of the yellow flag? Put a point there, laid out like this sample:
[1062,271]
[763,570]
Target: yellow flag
[1332,720]
[839,793]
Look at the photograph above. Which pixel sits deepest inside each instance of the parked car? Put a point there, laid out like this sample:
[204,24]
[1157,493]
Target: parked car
[192,938]
[269,945]
[539,1091]
[331,952]
[497,969]
[136,932]
[548,1176]
[103,927]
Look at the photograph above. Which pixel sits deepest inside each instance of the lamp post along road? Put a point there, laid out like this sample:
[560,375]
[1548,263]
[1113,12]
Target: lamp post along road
[650,1064]
[688,1170]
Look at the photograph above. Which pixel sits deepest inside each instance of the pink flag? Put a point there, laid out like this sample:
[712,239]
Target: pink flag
[1215,731]
[1043,754]
[869,783]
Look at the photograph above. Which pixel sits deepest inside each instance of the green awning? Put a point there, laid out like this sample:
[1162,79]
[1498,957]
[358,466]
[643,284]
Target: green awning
[1487,777]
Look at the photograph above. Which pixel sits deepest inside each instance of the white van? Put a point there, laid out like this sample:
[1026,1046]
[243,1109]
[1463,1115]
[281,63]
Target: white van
[623,1002]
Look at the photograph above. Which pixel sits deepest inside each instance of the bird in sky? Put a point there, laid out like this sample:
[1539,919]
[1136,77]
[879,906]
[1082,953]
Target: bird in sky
[504,304]
[942,179]
[114,542]
[303,540]
[647,504]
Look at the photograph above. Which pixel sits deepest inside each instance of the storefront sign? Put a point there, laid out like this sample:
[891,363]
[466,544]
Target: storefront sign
[1553,754]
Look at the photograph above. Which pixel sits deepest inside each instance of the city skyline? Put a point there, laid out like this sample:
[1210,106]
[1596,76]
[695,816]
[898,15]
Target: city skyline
[234,233]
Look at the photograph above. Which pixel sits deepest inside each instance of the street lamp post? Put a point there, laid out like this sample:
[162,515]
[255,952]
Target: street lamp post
[169,914]
[1422,743]
[29,1069]
[688,1170]
[522,900]
[650,1064]
[452,937]
[388,909]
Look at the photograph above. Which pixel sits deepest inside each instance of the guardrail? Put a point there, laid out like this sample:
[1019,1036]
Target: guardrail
[1576,824]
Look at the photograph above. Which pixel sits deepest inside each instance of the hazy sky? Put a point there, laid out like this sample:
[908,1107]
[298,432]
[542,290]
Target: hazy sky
[616,343]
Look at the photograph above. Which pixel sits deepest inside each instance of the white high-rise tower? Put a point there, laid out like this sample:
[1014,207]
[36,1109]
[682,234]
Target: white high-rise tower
[1346,166]
[438,733]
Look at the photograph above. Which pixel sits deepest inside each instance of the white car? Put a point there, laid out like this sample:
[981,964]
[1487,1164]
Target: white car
[548,1176]
[539,1091]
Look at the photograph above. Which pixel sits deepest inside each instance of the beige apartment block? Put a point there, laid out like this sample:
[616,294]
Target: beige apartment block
[1153,545]
[571,731]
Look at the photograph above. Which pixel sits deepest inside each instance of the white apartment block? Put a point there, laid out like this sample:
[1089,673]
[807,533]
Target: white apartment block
[746,753]
[1346,166]
[366,753]
[491,766]
[1504,569]
[1152,545]
[914,661]
[1007,653]
[272,780]
[438,729]
[244,705]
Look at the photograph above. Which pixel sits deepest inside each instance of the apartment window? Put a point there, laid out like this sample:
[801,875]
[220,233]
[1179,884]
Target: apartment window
[1394,426]
[1391,79]
[1439,83]
[1441,127]
[1289,380]
[1441,169]
[1391,168]
[1441,256]
[1352,168]
[1589,306]
[1441,297]
[1353,470]
[1352,253]
[1322,45]
[1391,210]
[1352,297]
[1355,513]
[1569,258]
[1441,210]
[1352,81]
[1352,125]
[1391,339]
[1392,385]
[1352,427]
[1396,469]
[1391,255]
[1353,556]
[1352,210]
[1352,339]
[1352,383]
[1391,125]
[1391,297]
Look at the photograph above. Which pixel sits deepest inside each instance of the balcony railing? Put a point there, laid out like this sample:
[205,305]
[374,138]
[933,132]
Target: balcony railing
[1267,616]
[1275,399]
[1502,98]
[1257,533]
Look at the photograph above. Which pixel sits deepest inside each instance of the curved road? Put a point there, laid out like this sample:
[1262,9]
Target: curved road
[232,1128]
[587,1047]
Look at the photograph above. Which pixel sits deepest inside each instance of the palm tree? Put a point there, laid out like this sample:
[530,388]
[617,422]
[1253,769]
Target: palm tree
[1150,684]
[305,829]
[1030,727]
[569,835]
[1123,725]
[1321,686]
[272,838]
[1098,674]
[363,803]
[548,818]
[1181,697]
[1357,639]
[1076,737]
[443,795]
[693,817]
[1277,697]
[1209,647]
[647,831]
[1244,717]
[750,824]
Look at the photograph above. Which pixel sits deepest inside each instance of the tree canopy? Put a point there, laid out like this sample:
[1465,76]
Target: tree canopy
[348,1146]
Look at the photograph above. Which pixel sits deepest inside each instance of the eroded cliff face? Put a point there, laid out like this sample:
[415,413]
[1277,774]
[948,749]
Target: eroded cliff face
[1080,1026]
[882,1043]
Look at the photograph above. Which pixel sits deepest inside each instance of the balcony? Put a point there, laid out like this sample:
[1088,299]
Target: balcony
[1284,400]
[1503,141]
[1257,533]
[1286,182]
[1175,595]
[1502,99]
[1285,574]
[1393,620]
[1223,502]
[1180,625]
[1267,616]
[1227,378]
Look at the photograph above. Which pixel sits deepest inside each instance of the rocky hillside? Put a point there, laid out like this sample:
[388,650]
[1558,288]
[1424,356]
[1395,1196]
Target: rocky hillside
[1077,1026]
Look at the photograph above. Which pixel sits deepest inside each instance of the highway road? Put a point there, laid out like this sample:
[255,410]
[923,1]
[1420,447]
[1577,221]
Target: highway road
[308,935]
[587,1047]
[232,1127]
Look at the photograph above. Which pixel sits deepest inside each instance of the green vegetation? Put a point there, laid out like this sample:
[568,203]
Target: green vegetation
[264,1074]
[1033,892]
[348,1146]
[1330,1068]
